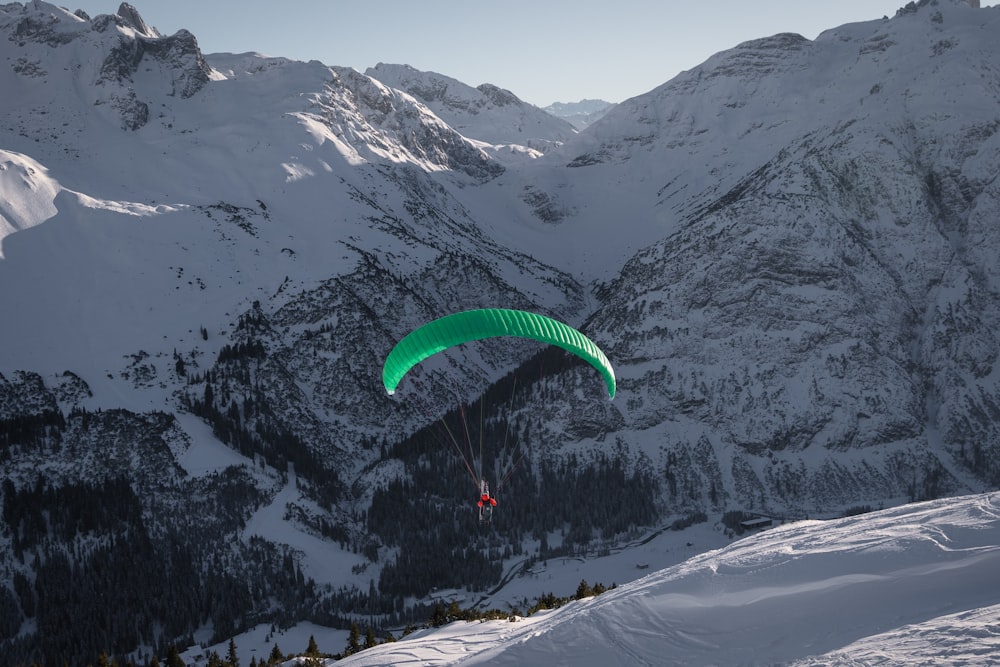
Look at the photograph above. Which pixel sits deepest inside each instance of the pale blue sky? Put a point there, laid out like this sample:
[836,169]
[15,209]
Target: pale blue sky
[543,51]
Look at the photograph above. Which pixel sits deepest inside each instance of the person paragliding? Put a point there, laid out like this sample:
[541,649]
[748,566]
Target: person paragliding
[472,325]
[486,502]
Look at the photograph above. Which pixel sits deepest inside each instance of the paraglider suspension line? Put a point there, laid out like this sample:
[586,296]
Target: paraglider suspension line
[507,464]
[461,454]
[477,475]
[452,440]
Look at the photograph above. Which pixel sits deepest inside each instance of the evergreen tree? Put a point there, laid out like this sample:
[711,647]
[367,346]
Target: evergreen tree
[276,656]
[312,650]
[370,640]
[154,661]
[438,617]
[173,657]
[353,641]
[231,658]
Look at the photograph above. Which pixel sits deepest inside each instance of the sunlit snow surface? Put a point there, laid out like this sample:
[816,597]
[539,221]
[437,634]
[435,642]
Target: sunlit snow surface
[914,584]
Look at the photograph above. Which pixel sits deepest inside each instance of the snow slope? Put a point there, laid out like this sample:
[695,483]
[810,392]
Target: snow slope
[485,113]
[915,583]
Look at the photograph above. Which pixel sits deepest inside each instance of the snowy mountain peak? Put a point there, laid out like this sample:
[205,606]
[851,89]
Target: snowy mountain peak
[499,96]
[115,62]
[913,6]
[131,18]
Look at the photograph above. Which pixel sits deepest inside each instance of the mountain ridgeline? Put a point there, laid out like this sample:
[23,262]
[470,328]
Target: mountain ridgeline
[788,253]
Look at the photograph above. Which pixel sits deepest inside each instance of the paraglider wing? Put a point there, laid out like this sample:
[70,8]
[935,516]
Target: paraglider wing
[471,325]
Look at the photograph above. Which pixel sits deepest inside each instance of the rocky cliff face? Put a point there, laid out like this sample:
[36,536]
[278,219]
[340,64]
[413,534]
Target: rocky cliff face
[824,312]
[127,44]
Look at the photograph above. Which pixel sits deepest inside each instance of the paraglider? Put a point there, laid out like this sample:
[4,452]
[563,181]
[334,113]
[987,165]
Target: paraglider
[472,325]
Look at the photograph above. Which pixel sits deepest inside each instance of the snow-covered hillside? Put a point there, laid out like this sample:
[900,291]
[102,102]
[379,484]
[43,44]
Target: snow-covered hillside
[911,585]
[918,584]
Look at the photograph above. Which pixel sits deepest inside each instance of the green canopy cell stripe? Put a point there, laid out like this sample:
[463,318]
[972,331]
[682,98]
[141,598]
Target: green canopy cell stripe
[471,325]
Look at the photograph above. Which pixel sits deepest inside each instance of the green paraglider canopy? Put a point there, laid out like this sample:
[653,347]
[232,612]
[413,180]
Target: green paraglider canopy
[472,325]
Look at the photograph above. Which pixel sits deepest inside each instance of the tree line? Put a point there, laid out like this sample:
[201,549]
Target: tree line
[440,615]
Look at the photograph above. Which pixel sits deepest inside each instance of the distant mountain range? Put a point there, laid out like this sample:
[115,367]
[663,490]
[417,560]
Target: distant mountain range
[580,114]
[788,253]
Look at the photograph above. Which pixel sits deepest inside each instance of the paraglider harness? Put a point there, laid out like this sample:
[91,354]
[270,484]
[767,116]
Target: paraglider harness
[486,502]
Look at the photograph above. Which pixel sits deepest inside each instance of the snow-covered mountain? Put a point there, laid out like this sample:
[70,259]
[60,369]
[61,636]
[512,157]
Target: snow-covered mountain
[486,113]
[788,252]
[580,114]
[829,303]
